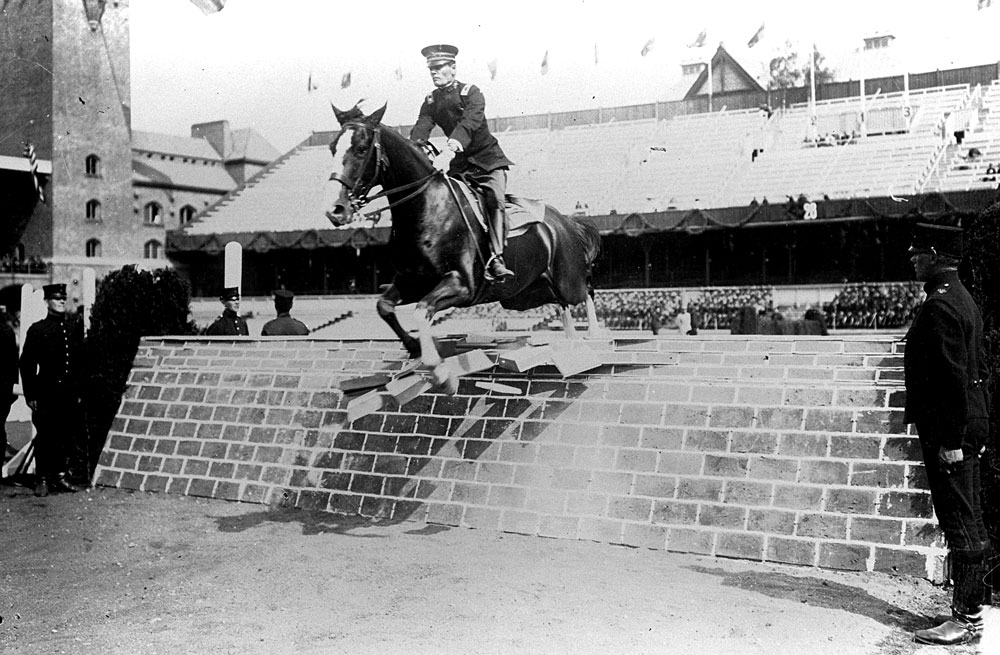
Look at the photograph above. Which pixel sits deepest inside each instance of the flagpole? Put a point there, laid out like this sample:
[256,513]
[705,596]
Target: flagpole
[710,83]
[813,119]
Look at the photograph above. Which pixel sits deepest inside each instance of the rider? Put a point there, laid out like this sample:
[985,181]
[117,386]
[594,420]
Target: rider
[460,111]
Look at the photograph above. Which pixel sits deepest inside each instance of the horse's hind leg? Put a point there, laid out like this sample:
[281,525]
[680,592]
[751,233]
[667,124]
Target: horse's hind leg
[386,307]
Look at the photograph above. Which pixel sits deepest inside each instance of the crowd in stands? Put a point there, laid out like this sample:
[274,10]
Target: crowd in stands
[718,307]
[833,139]
[874,306]
[634,309]
[33,264]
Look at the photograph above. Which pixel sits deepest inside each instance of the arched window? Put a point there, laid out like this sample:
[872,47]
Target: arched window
[153,214]
[93,211]
[93,248]
[152,250]
[93,166]
[187,214]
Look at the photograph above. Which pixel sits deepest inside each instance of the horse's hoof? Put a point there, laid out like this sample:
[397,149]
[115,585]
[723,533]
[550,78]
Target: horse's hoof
[445,379]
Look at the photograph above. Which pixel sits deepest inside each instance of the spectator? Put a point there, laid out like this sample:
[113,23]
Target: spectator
[229,323]
[284,324]
[50,372]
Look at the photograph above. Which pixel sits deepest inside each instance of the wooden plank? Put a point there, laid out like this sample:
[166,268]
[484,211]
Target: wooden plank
[365,382]
[525,359]
[472,361]
[407,388]
[364,405]
[496,387]
[572,362]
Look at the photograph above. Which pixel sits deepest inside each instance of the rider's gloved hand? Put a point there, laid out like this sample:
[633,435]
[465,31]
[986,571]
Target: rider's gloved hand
[455,145]
[443,160]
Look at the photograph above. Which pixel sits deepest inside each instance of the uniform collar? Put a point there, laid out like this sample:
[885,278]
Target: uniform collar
[451,87]
[228,313]
[940,279]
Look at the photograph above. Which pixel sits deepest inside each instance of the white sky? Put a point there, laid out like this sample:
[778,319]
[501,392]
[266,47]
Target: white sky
[250,63]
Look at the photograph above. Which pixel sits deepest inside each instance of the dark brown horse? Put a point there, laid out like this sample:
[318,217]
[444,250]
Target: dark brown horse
[438,247]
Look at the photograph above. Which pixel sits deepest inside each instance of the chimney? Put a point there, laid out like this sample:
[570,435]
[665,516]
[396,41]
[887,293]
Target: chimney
[218,134]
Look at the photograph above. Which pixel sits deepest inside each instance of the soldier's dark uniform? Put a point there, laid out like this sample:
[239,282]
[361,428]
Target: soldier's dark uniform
[284,324]
[946,399]
[229,323]
[460,111]
[50,376]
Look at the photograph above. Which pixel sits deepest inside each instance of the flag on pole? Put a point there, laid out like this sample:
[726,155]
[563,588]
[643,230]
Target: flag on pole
[699,40]
[29,152]
[545,63]
[647,47]
[983,4]
[310,87]
[492,66]
[756,36]
[209,6]
[398,73]
[595,54]
[345,81]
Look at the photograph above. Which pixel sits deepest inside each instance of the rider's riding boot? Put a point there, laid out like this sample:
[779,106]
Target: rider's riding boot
[496,269]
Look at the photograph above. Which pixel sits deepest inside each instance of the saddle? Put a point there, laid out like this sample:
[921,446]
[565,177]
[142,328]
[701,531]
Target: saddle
[521,212]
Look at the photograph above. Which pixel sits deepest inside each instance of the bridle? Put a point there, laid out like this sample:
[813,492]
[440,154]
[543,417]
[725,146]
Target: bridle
[358,190]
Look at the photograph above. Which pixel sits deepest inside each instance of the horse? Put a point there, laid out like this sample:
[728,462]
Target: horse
[438,247]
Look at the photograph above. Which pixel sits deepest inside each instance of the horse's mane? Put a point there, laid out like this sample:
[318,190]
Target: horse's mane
[393,135]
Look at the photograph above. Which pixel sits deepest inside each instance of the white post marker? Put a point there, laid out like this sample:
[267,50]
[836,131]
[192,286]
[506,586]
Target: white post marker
[33,309]
[89,295]
[233,271]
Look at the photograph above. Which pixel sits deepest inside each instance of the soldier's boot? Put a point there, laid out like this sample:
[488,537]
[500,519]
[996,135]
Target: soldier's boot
[966,622]
[62,484]
[496,269]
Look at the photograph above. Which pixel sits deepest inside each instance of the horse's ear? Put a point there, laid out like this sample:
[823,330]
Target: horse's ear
[376,116]
[340,115]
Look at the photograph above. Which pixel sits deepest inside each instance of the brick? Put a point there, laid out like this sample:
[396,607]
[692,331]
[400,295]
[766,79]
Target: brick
[742,546]
[636,460]
[645,536]
[712,394]
[681,540]
[843,556]
[798,497]
[470,493]
[918,532]
[790,551]
[699,489]
[803,445]
[906,504]
[669,393]
[621,436]
[630,509]
[772,468]
[706,440]
[885,476]
[900,562]
[902,449]
[583,434]
[201,487]
[724,516]
[828,420]
[780,418]
[656,438]
[725,466]
[685,415]
[601,530]
[851,501]
[771,521]
[731,417]
[546,501]
[854,447]
[586,503]
[530,475]
[674,512]
[808,397]
[753,442]
[822,526]
[861,397]
[559,527]
[657,486]
[495,472]
[759,395]
[444,514]
[610,482]
[642,413]
[503,496]
[823,472]
[744,492]
[681,463]
[881,531]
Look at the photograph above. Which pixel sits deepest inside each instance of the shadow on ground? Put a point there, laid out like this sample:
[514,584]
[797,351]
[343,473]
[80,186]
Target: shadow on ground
[824,594]
[314,522]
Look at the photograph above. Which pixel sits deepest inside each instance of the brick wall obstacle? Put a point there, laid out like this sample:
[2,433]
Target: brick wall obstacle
[778,449]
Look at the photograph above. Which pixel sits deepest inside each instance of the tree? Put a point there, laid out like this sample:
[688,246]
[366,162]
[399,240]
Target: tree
[791,70]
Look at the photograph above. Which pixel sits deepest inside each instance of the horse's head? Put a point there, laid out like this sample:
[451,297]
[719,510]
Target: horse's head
[359,161]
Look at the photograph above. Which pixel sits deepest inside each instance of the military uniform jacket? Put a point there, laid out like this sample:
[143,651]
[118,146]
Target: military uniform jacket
[460,111]
[228,324]
[283,326]
[943,364]
[50,361]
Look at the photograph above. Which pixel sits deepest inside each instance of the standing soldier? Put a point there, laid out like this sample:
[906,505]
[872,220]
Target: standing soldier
[50,380]
[946,400]
[460,111]
[284,324]
[229,323]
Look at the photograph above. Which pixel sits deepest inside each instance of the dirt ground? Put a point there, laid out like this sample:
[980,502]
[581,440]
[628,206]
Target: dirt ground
[109,571]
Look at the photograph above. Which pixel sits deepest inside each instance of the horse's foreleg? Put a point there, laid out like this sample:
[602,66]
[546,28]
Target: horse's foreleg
[594,328]
[386,307]
[568,325]
[448,293]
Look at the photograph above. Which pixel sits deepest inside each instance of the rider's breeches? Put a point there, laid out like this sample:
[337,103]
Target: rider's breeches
[496,183]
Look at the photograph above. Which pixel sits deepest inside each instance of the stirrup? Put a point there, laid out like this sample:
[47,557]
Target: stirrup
[493,278]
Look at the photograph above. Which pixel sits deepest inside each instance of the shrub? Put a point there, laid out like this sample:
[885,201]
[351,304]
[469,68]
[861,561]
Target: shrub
[130,304]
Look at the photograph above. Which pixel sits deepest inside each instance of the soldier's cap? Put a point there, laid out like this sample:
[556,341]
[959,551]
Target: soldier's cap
[230,293]
[283,294]
[439,53]
[938,239]
[54,291]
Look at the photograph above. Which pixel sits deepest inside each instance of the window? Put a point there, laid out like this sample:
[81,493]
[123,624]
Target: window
[93,211]
[152,250]
[93,166]
[187,214]
[93,248]
[692,69]
[153,214]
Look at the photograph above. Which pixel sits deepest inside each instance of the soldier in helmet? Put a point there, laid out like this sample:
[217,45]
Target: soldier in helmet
[944,366]
[460,111]
[229,323]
